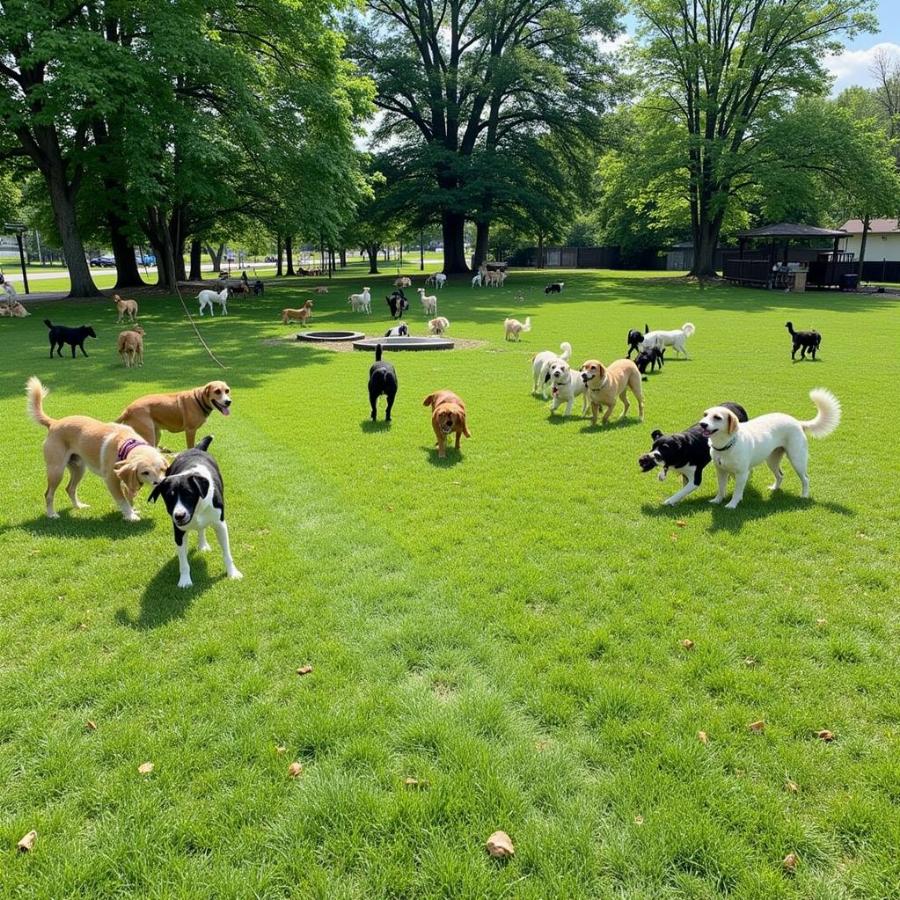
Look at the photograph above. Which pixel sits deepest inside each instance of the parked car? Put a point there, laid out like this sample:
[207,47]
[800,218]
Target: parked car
[148,259]
[103,262]
[271,259]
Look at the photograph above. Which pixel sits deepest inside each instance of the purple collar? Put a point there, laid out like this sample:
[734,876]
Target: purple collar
[127,447]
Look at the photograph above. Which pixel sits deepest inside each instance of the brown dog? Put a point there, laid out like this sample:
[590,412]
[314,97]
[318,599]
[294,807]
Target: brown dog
[114,452]
[302,315]
[448,416]
[185,411]
[130,345]
[603,384]
[128,309]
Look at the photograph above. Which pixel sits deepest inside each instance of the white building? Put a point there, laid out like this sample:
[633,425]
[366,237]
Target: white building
[883,241]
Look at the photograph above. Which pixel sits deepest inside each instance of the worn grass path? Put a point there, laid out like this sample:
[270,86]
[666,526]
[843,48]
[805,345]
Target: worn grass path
[504,627]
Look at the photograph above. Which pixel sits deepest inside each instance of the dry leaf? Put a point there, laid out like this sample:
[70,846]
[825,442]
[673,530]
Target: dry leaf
[500,846]
[703,737]
[304,670]
[688,644]
[825,735]
[638,820]
[791,786]
[757,727]
[790,862]
[821,622]
[281,749]
[680,523]
[541,745]
[145,768]
[90,725]
[750,661]
[411,782]
[295,769]
[26,845]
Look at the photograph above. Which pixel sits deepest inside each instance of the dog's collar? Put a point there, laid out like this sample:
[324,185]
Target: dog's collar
[599,387]
[126,448]
[728,446]
[206,409]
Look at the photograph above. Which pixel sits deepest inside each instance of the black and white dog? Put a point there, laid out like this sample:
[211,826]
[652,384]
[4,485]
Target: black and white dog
[687,452]
[401,330]
[397,303]
[382,380]
[63,334]
[192,491]
[554,288]
[635,339]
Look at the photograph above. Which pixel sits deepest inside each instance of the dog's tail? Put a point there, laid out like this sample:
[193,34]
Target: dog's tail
[48,323]
[688,328]
[36,392]
[378,353]
[829,413]
[204,444]
[527,325]
[566,348]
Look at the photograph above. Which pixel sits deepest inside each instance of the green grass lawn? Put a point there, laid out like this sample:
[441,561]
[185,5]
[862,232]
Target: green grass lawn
[504,627]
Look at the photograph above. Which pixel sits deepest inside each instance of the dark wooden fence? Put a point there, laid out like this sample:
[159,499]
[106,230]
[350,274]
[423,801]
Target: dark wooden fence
[588,258]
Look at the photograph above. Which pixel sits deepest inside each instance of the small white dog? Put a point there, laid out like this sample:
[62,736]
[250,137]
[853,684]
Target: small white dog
[674,339]
[513,328]
[567,385]
[429,303]
[210,298]
[438,325]
[361,302]
[540,367]
[438,279]
[736,447]
[476,279]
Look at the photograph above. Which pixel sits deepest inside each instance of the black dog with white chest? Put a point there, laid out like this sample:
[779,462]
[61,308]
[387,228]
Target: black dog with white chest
[635,339]
[382,380]
[397,303]
[63,334]
[194,497]
[554,288]
[687,452]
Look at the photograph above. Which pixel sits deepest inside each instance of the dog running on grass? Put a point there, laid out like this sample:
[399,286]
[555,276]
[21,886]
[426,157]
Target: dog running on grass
[513,328]
[803,341]
[448,416]
[74,337]
[382,380]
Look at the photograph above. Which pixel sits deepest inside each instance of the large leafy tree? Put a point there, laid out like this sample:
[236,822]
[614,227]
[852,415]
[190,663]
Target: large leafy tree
[459,80]
[716,72]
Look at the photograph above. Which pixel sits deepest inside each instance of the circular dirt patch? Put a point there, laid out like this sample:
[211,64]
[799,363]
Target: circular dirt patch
[330,336]
[404,343]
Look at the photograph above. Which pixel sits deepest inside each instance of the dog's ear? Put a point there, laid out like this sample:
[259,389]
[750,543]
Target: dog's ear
[656,435]
[200,484]
[126,472]
[157,491]
[429,400]
[732,421]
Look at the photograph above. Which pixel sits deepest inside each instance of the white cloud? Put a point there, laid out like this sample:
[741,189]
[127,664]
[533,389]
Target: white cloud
[619,42]
[852,67]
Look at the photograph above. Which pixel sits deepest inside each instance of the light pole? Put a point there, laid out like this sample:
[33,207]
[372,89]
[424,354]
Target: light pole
[18,228]
[421,251]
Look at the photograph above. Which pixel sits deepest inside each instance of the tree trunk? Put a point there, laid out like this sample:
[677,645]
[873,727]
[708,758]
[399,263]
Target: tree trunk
[127,272]
[289,253]
[372,253]
[63,201]
[343,253]
[216,256]
[196,273]
[453,233]
[482,236]
[862,244]
[540,259]
[706,240]
[177,239]
[279,268]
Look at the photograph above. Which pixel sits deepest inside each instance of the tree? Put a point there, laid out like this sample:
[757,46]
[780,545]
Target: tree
[718,71]
[459,77]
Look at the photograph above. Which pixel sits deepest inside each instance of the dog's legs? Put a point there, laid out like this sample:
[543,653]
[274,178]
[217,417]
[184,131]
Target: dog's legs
[190,434]
[202,542]
[76,472]
[798,454]
[373,402]
[774,463]
[740,482]
[115,487]
[722,479]
[54,477]
[678,496]
[390,406]
[608,413]
[184,567]
[625,403]
[569,405]
[640,400]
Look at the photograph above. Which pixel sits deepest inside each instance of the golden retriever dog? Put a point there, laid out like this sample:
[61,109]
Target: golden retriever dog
[604,384]
[130,345]
[114,452]
[513,328]
[448,416]
[128,309]
[183,411]
[438,325]
[302,315]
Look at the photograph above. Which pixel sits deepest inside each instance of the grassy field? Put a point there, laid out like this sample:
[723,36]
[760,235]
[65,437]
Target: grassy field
[505,627]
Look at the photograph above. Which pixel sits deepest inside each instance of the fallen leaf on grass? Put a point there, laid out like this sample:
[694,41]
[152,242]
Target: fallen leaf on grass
[757,727]
[499,845]
[688,644]
[90,725]
[281,749]
[789,863]
[750,661]
[638,820]
[145,768]
[295,769]
[791,786]
[821,622]
[26,845]
[304,670]
[411,782]
[703,737]
[680,523]
[825,735]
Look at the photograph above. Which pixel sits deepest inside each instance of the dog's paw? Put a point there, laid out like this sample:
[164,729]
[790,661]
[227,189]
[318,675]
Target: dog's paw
[731,505]
[53,515]
[236,574]
[77,504]
[185,583]
[669,502]
[717,500]
[132,516]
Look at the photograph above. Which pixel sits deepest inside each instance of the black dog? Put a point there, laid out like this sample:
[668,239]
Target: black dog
[397,303]
[382,380]
[803,341]
[653,357]
[193,494]
[62,334]
[687,452]
[258,288]
[635,338]
[555,288]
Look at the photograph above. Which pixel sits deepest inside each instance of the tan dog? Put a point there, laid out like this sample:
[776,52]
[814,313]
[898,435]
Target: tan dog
[448,416]
[438,325]
[128,309]
[321,289]
[184,411]
[14,309]
[114,452]
[513,328]
[130,346]
[302,315]
[403,282]
[604,384]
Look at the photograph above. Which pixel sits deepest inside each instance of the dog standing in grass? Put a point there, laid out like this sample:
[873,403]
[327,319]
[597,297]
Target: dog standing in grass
[128,309]
[513,328]
[302,315]
[382,380]
[130,346]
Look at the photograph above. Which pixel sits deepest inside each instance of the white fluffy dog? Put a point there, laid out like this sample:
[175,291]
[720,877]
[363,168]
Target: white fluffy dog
[567,385]
[361,302]
[429,303]
[674,339]
[540,367]
[438,325]
[736,447]
[209,298]
[476,279]
[513,328]
[439,279]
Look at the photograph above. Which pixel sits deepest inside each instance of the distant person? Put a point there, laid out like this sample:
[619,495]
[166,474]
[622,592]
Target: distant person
[244,277]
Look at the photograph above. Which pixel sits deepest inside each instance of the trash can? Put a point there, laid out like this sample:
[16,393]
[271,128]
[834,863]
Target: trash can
[849,281]
[800,281]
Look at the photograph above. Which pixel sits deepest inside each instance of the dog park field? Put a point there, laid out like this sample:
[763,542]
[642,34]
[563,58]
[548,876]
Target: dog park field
[519,637]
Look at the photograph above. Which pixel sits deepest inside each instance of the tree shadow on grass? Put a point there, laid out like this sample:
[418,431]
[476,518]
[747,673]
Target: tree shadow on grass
[78,525]
[163,600]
